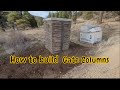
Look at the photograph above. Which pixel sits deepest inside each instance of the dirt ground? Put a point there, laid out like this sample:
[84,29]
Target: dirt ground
[108,47]
[110,70]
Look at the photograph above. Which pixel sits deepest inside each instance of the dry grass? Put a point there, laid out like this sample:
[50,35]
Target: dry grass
[14,41]
[31,42]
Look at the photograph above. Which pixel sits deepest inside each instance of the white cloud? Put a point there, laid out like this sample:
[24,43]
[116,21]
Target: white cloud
[43,14]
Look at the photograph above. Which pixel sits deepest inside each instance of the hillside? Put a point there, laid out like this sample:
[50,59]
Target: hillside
[110,70]
[32,42]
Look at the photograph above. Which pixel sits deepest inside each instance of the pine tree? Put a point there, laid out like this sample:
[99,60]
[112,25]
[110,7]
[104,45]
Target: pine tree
[12,17]
[53,15]
[66,14]
[22,23]
[63,14]
[60,14]
[1,21]
[79,13]
[57,14]
[88,15]
[74,16]
[27,16]
[49,15]
[69,14]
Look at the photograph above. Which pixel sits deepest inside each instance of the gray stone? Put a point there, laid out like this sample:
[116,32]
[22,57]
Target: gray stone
[57,36]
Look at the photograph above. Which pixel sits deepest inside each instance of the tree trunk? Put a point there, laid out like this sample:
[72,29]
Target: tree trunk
[100,17]
[74,16]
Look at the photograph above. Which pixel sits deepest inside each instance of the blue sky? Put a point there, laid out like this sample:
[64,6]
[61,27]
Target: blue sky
[43,14]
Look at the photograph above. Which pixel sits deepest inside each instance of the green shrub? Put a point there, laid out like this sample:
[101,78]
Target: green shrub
[22,23]
[88,15]
[1,49]
[3,58]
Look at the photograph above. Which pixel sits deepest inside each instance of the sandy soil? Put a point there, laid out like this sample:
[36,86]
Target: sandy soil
[110,70]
